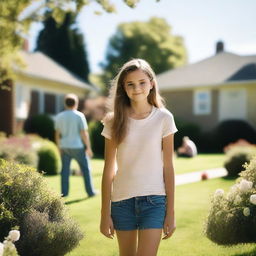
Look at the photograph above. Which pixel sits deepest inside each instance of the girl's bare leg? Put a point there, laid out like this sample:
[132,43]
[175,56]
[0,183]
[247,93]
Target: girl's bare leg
[148,242]
[127,241]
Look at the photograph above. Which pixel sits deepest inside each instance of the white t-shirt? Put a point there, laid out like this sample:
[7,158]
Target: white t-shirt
[139,157]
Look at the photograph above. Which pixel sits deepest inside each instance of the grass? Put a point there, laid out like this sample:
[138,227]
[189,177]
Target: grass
[182,165]
[192,205]
[198,163]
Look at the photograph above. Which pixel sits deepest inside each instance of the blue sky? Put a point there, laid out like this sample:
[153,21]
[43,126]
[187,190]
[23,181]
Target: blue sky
[200,22]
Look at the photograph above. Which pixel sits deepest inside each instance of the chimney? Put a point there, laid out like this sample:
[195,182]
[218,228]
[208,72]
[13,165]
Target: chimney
[219,47]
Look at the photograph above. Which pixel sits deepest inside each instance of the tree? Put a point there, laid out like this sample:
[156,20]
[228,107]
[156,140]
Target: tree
[64,44]
[16,17]
[150,40]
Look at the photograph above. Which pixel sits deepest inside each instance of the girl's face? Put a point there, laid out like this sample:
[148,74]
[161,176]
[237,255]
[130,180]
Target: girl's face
[137,85]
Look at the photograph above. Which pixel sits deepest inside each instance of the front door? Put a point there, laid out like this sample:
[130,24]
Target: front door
[232,104]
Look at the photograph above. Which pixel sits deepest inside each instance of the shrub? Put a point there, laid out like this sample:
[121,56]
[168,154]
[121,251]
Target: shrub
[41,124]
[49,157]
[232,130]
[240,143]
[18,149]
[232,216]
[236,158]
[207,142]
[97,141]
[186,129]
[40,214]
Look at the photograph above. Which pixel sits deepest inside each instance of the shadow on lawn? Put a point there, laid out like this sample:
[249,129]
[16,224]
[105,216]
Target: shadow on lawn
[251,253]
[76,200]
[230,178]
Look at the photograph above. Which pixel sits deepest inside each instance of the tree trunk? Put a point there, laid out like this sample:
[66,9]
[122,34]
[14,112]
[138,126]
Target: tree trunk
[7,107]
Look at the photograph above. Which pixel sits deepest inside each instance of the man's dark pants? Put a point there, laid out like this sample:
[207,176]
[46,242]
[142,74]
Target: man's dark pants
[79,155]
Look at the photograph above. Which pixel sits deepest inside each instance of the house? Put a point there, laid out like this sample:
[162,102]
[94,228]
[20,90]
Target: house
[38,87]
[218,88]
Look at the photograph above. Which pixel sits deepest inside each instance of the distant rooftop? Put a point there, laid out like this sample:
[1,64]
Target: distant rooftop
[218,69]
[39,65]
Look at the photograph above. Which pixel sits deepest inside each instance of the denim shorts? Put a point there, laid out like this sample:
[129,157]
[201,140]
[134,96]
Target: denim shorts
[141,212]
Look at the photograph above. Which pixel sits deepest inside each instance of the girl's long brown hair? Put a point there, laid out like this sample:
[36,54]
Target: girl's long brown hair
[119,102]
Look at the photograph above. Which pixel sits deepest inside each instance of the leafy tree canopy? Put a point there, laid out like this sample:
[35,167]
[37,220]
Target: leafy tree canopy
[16,17]
[152,41]
[65,44]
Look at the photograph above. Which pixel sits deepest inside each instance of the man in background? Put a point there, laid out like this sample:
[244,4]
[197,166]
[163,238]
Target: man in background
[188,148]
[73,141]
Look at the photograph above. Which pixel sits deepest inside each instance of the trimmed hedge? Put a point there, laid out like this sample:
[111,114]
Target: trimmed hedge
[186,129]
[41,124]
[97,140]
[237,157]
[232,130]
[49,158]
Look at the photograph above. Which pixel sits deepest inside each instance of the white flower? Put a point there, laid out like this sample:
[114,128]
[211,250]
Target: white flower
[253,199]
[238,199]
[234,188]
[8,245]
[219,192]
[14,235]
[1,249]
[245,185]
[246,211]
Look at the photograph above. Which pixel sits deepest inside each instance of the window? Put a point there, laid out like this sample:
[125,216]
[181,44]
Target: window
[49,103]
[22,101]
[202,102]
[34,103]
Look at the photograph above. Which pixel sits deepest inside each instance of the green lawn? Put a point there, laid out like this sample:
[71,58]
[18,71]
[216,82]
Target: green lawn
[198,163]
[182,165]
[192,204]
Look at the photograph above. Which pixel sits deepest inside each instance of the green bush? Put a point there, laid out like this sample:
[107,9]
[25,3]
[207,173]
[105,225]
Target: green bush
[41,124]
[97,140]
[237,157]
[18,149]
[49,160]
[232,216]
[26,202]
[232,130]
[186,129]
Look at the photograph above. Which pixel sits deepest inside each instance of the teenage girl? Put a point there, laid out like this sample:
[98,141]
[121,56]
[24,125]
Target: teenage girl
[138,195]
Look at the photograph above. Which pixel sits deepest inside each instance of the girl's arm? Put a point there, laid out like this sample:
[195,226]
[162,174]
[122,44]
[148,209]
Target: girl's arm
[106,187]
[169,184]
[169,172]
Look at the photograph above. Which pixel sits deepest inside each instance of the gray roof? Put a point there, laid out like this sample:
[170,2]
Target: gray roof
[39,65]
[221,68]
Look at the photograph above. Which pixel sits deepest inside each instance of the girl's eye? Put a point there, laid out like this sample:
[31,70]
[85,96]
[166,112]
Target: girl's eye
[130,85]
[142,83]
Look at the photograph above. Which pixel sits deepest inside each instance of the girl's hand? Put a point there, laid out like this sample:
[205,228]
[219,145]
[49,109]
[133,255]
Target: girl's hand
[169,226]
[107,227]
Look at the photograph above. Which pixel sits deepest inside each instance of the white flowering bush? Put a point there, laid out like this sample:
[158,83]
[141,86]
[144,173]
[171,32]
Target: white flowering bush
[42,218]
[232,216]
[7,248]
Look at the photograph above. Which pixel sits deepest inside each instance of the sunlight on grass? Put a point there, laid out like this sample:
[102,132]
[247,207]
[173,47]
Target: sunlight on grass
[198,163]
[192,205]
